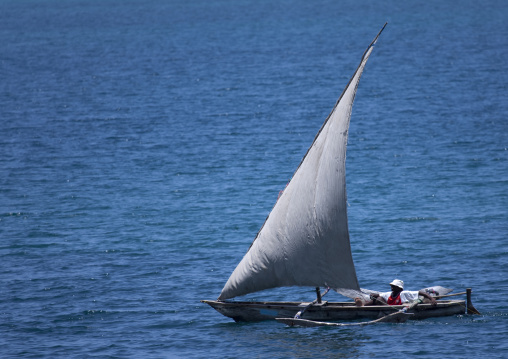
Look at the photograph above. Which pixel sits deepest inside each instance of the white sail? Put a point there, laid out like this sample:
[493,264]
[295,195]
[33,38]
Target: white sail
[305,239]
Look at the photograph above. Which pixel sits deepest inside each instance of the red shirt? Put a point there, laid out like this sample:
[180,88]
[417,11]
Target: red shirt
[394,301]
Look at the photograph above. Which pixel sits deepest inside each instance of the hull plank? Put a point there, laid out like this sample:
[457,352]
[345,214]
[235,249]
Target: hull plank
[329,311]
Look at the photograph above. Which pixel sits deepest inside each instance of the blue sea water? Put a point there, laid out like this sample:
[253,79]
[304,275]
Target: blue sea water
[143,143]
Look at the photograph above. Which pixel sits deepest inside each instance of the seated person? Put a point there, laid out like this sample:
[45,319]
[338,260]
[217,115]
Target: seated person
[397,296]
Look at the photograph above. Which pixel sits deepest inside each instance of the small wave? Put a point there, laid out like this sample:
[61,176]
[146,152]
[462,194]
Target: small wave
[15,214]
[411,219]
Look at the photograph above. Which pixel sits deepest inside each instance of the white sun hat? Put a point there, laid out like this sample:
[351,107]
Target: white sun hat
[398,283]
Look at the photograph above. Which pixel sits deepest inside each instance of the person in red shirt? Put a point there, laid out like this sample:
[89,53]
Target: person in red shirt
[397,296]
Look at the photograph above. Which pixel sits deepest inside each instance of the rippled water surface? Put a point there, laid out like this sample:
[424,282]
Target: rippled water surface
[143,143]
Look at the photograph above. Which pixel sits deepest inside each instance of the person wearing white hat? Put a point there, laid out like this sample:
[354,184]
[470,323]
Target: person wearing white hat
[397,296]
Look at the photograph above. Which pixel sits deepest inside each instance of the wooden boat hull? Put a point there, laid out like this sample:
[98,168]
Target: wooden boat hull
[329,311]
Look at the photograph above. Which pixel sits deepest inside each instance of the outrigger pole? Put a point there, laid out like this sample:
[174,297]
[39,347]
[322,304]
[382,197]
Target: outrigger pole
[317,300]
